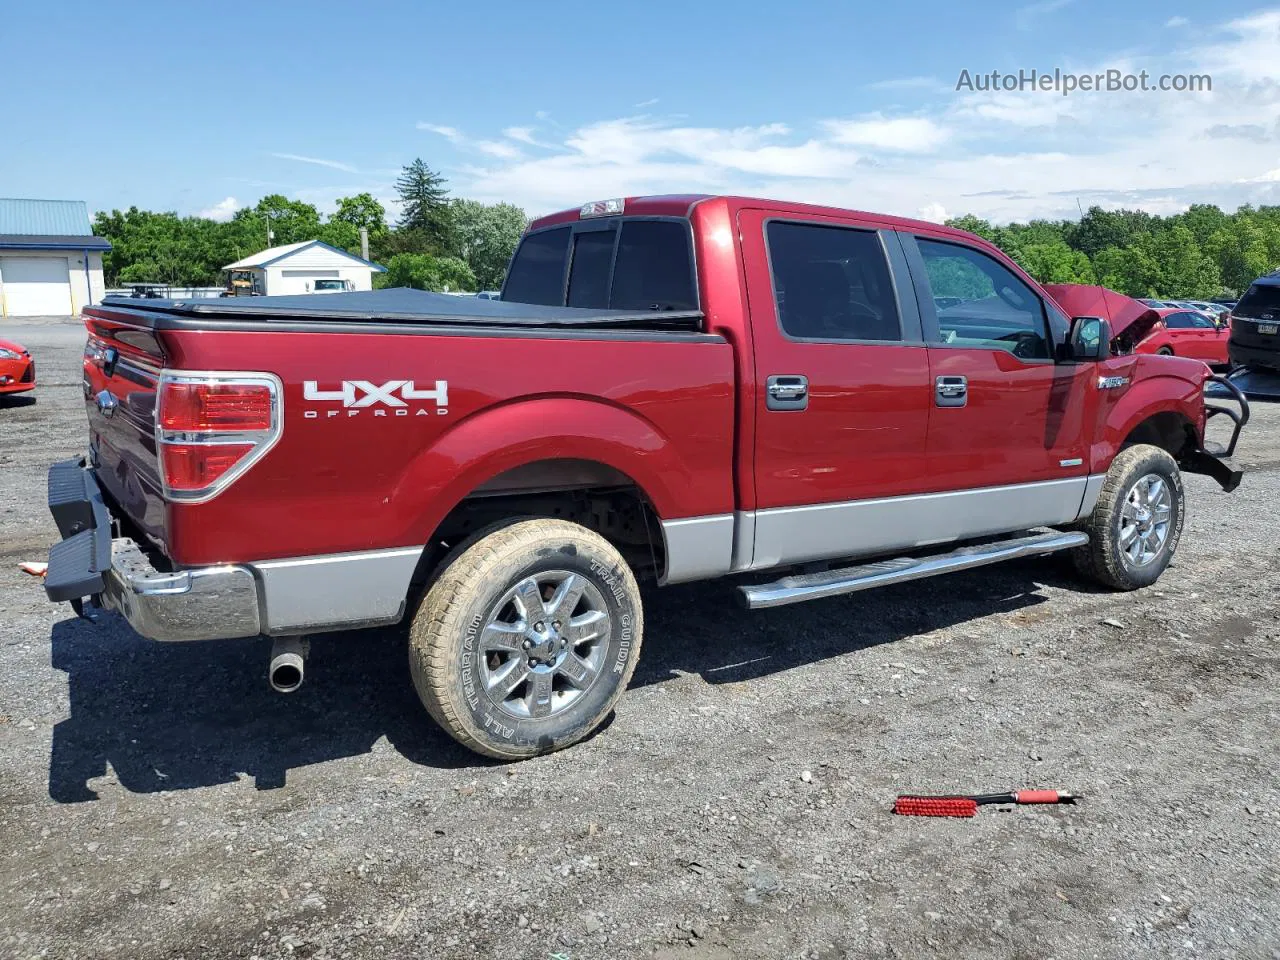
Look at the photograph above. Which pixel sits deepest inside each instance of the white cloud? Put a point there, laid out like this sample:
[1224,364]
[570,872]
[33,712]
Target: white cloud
[908,83]
[496,148]
[449,133]
[908,134]
[646,103]
[934,212]
[331,164]
[523,134]
[1176,22]
[222,211]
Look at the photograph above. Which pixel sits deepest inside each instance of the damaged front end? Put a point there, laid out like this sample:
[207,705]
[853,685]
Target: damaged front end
[1210,458]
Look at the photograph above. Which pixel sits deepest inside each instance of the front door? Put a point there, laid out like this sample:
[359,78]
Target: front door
[1008,426]
[843,394]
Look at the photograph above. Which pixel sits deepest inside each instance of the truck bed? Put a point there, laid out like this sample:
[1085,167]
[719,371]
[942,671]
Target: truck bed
[402,305]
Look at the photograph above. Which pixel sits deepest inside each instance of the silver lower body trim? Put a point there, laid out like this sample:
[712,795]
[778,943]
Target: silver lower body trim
[1092,490]
[698,548]
[788,535]
[335,592]
[275,597]
[207,603]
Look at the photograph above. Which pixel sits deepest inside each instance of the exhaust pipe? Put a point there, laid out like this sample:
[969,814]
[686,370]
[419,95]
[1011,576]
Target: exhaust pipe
[288,664]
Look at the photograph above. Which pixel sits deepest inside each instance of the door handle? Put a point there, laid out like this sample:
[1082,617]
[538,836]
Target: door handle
[787,392]
[951,391]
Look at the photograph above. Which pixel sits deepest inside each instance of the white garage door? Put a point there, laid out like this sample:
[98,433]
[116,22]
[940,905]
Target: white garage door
[35,286]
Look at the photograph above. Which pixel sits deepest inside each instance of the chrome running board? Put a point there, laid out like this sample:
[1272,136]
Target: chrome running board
[831,583]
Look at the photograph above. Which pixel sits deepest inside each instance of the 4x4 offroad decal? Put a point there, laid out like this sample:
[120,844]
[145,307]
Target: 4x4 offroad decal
[393,398]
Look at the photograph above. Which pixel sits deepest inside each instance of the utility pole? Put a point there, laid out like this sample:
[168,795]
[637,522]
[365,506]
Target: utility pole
[268,215]
[364,243]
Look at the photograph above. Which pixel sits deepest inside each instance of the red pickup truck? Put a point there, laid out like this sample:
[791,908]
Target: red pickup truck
[676,388]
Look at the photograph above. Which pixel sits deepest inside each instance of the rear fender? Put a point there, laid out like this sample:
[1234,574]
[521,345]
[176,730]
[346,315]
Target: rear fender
[502,438]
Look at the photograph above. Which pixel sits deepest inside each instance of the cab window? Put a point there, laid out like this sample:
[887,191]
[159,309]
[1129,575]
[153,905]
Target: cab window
[832,283]
[981,303]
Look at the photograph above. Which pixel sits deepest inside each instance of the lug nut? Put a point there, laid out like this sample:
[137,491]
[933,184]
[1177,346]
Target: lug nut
[555,624]
[528,644]
[539,626]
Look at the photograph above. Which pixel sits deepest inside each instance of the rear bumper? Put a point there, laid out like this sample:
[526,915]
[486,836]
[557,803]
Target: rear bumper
[1251,356]
[225,601]
[205,603]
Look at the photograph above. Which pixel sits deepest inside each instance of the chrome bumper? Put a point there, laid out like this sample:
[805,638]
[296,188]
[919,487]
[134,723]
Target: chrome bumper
[277,597]
[205,603]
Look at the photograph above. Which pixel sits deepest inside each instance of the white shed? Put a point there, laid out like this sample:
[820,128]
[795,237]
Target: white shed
[307,267]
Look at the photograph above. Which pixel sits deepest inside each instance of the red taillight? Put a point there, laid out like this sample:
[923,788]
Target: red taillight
[211,427]
[189,466]
[204,407]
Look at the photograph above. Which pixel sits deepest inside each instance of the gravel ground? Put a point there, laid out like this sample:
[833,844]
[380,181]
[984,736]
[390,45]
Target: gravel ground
[160,801]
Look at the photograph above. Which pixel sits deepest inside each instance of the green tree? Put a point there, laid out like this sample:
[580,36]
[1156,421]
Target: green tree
[1054,262]
[424,272]
[424,203]
[485,236]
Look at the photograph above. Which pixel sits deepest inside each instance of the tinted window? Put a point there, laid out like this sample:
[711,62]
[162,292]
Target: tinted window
[653,271]
[589,272]
[981,303]
[1261,298]
[1178,321]
[1201,322]
[537,270]
[832,283]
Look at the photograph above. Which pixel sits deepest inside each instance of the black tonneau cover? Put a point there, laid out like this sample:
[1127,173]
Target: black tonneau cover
[405,305]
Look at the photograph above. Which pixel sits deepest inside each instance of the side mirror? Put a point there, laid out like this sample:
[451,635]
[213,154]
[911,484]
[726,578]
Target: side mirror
[1089,339]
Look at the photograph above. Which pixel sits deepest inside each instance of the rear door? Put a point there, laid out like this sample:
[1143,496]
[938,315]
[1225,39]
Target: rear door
[1009,424]
[843,396]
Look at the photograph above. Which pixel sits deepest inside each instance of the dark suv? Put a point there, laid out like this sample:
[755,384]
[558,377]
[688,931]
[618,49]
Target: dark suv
[1255,325]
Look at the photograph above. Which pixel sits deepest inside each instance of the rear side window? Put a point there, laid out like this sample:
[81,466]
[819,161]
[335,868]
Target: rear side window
[537,270]
[589,275]
[832,283]
[1261,298]
[649,267]
[653,271]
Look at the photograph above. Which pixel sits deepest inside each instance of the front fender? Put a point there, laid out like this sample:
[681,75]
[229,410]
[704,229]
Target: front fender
[1157,385]
[527,431]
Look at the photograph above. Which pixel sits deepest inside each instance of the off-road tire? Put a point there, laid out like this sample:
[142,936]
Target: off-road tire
[1102,559]
[443,638]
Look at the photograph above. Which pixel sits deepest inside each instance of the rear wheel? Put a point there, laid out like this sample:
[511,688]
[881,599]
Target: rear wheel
[528,638]
[1165,351]
[1137,522]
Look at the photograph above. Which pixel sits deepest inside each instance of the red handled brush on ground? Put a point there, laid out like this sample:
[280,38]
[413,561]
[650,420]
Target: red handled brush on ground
[913,806]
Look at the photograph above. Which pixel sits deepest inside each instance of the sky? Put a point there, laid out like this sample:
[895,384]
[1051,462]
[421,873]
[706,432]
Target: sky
[190,107]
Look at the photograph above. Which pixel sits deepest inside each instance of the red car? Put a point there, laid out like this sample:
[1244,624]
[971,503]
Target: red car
[17,369]
[1186,333]
[669,389]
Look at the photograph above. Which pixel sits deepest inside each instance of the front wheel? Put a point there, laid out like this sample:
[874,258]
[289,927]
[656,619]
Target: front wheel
[1137,522]
[528,638]
[1165,351]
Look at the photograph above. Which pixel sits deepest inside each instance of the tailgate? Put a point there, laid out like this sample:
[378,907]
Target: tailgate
[122,366]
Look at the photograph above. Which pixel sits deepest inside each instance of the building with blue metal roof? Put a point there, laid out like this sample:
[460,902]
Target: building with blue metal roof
[50,261]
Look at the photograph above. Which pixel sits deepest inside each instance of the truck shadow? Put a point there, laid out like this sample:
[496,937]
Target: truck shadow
[186,715]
